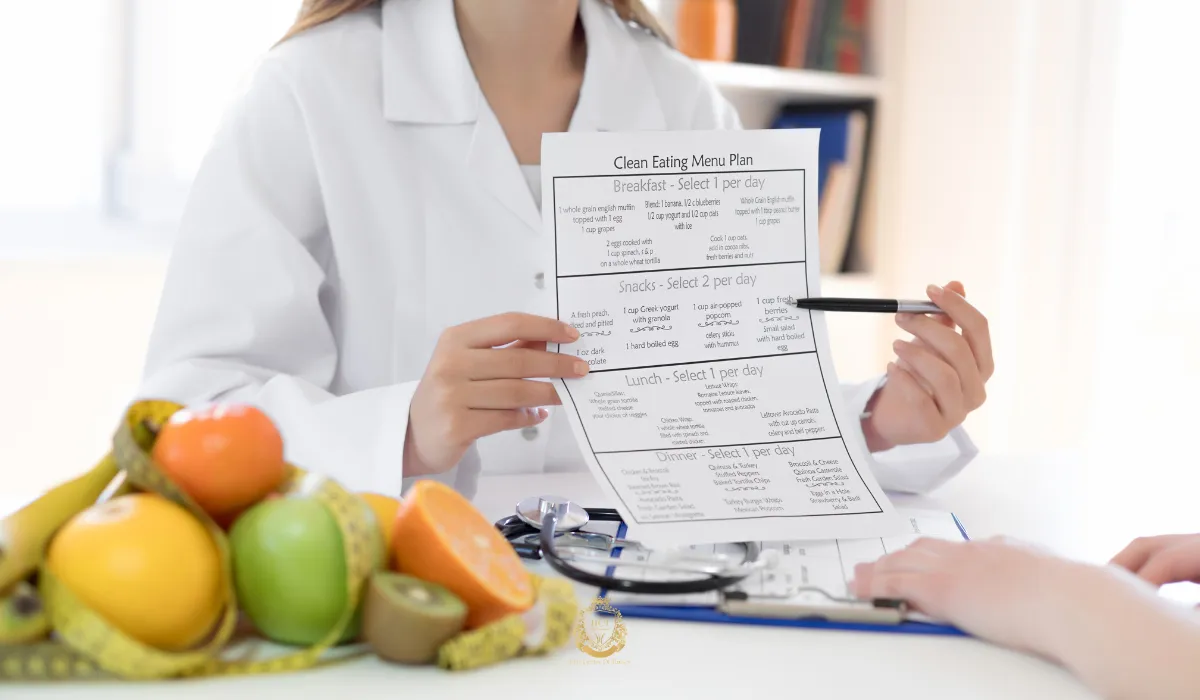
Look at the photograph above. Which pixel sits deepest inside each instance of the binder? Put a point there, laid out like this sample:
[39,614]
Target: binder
[708,614]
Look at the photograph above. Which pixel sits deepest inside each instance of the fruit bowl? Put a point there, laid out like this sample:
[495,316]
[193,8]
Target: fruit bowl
[253,565]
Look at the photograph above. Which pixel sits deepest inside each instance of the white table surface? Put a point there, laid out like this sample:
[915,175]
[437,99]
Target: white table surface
[1050,499]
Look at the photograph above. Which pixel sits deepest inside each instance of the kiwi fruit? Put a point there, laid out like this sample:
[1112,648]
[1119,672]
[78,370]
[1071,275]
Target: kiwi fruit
[405,619]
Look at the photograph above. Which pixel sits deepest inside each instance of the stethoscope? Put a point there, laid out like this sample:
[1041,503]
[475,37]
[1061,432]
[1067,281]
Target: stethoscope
[541,520]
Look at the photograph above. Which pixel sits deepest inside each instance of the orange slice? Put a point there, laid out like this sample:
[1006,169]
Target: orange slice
[440,537]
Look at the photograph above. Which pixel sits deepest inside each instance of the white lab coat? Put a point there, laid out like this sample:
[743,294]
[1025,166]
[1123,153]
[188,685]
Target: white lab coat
[359,198]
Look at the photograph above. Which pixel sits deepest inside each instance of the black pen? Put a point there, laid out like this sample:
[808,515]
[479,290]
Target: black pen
[877,306]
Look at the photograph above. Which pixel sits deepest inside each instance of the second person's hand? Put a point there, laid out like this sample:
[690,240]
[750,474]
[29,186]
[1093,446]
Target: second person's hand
[1163,559]
[1001,590]
[474,387]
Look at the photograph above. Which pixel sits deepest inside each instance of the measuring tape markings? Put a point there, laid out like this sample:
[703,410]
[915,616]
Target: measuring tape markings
[89,647]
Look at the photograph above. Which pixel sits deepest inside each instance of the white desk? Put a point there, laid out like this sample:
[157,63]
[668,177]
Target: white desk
[1048,499]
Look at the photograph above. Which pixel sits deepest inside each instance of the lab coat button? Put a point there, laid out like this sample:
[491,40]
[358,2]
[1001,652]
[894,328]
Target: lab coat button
[539,280]
[529,433]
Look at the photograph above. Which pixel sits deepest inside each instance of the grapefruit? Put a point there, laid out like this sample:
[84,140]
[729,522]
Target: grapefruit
[440,537]
[227,457]
[146,565]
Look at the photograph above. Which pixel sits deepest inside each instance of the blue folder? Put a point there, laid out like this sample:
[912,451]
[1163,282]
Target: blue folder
[708,614]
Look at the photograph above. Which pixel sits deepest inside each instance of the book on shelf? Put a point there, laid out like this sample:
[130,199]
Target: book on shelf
[829,35]
[841,171]
[758,33]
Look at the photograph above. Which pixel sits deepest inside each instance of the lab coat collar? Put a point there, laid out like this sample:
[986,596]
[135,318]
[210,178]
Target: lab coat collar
[427,77]
[617,93]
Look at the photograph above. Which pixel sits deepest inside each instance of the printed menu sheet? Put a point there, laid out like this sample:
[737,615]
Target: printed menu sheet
[712,412]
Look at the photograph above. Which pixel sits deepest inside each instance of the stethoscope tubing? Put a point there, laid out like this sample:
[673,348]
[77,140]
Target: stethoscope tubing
[549,553]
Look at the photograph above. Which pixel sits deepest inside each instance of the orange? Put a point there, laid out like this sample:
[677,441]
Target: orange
[385,508]
[227,457]
[440,537]
[146,565]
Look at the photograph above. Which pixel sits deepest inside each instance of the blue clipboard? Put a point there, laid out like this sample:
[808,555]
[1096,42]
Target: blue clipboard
[712,615]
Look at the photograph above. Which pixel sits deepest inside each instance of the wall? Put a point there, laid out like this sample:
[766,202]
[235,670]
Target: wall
[990,99]
[74,332]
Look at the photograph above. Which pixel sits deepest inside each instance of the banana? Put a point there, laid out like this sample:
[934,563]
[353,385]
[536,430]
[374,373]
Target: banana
[23,618]
[25,533]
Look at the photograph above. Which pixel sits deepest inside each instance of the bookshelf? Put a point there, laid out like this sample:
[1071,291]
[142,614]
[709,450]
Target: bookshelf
[760,91]
[780,84]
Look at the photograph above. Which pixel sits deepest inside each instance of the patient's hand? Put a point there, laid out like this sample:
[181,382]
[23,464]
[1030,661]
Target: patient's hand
[998,590]
[1104,624]
[1163,559]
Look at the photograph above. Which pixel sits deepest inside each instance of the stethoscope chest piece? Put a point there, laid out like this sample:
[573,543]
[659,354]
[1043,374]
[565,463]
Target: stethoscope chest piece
[548,518]
[570,516]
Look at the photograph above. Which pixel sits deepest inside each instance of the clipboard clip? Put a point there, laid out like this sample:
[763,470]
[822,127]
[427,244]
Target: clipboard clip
[887,611]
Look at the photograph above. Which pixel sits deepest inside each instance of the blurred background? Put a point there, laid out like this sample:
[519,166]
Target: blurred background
[1043,152]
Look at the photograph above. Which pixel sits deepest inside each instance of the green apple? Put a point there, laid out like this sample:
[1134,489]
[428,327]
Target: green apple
[289,569]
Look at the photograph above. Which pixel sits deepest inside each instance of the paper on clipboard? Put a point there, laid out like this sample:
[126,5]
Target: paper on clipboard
[827,565]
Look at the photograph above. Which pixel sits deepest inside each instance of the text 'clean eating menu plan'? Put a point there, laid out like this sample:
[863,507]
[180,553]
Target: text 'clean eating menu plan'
[712,411]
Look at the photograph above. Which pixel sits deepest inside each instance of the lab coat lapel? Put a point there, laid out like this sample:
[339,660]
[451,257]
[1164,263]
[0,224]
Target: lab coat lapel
[617,92]
[494,167]
[427,78]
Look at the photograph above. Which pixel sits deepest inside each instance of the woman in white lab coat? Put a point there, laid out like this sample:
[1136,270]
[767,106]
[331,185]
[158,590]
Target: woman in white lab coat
[365,232]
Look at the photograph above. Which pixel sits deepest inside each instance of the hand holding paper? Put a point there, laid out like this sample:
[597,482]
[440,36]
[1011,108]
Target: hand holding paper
[711,412]
[938,377]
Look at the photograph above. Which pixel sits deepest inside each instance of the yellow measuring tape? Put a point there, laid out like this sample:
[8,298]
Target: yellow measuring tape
[85,645]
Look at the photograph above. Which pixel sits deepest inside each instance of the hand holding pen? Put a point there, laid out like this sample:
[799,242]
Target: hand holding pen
[938,376]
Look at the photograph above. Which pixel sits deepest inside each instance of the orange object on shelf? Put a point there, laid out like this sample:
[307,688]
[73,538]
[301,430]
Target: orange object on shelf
[707,29]
[440,537]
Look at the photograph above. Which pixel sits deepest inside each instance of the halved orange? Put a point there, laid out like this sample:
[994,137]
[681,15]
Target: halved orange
[440,537]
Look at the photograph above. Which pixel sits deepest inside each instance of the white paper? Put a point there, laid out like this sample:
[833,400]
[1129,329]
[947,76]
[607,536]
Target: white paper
[827,565]
[712,412]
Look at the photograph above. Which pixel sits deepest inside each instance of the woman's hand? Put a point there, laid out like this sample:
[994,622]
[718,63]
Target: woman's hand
[473,387]
[1163,559]
[997,590]
[938,377]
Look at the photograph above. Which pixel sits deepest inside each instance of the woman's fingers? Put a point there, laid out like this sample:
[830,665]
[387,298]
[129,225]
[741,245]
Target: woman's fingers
[945,319]
[539,345]
[940,376]
[917,398]
[502,329]
[953,348]
[480,423]
[509,393]
[1138,552]
[974,326]
[521,363]
[1179,562]
[909,586]
[1162,559]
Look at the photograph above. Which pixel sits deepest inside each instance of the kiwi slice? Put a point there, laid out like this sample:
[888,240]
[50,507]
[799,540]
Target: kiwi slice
[406,619]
